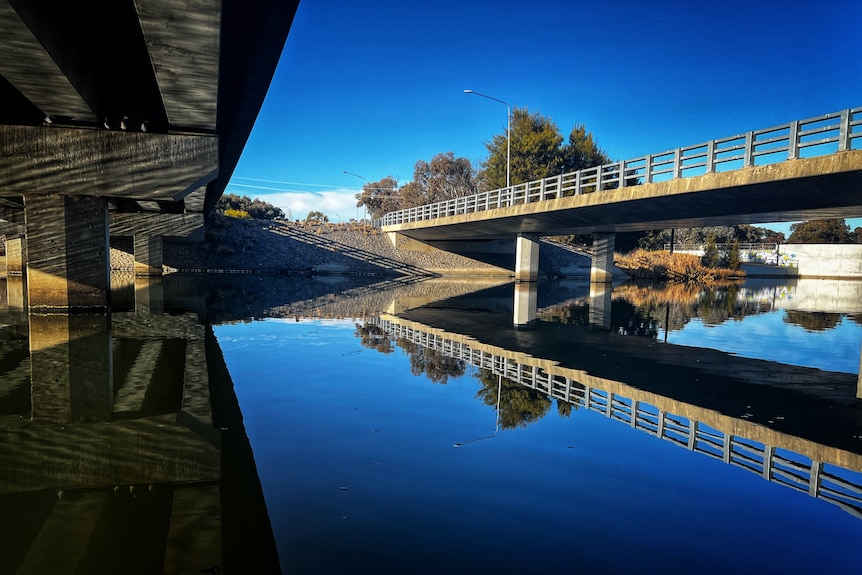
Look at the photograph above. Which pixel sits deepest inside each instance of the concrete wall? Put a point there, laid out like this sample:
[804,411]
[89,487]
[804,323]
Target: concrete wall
[826,260]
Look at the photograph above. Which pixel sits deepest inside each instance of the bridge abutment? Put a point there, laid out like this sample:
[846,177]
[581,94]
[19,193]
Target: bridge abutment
[602,267]
[67,252]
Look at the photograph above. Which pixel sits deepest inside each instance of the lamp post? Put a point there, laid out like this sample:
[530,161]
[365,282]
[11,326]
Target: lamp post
[508,134]
[364,205]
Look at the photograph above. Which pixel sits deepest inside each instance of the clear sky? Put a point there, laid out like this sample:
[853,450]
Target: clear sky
[370,87]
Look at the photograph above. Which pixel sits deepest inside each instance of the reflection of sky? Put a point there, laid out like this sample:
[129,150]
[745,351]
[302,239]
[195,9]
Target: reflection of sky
[356,460]
[767,336]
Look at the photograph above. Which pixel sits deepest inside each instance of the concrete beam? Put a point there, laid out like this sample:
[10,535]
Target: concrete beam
[183,42]
[91,162]
[34,73]
[186,226]
[67,253]
[527,257]
[602,270]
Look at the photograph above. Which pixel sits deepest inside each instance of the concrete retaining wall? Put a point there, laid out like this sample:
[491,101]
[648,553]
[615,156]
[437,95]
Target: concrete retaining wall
[826,260]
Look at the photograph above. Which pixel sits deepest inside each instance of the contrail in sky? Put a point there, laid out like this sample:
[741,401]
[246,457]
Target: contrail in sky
[289,183]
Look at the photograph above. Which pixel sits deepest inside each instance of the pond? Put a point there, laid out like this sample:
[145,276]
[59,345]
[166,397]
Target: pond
[348,425]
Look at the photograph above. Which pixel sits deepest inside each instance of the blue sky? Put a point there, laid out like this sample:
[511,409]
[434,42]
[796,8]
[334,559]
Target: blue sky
[371,87]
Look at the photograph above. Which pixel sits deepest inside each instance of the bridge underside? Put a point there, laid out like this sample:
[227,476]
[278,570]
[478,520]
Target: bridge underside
[801,189]
[137,107]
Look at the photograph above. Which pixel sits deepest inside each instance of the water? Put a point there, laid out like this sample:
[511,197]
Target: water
[358,427]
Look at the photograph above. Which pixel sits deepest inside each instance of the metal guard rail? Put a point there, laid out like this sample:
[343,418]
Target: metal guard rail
[756,148]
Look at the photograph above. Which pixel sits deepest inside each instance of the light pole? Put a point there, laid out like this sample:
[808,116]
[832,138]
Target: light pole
[508,134]
[364,205]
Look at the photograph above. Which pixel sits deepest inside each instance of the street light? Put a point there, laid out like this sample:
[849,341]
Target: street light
[508,129]
[364,205]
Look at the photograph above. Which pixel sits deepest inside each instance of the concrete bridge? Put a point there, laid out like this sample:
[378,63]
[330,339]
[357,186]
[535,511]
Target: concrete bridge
[804,169]
[122,118]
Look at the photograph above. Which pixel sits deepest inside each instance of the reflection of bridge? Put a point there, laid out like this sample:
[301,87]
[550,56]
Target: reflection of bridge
[828,473]
[805,169]
[122,118]
[113,452]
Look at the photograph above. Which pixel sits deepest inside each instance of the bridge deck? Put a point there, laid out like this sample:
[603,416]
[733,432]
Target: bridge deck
[766,178]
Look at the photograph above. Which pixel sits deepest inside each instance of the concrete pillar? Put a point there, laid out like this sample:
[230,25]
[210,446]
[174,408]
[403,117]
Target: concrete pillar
[67,253]
[148,255]
[71,367]
[603,258]
[16,292]
[149,295]
[16,256]
[527,257]
[600,305]
[526,298]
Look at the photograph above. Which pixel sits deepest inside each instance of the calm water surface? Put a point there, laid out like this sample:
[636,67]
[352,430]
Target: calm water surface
[348,425]
[379,455]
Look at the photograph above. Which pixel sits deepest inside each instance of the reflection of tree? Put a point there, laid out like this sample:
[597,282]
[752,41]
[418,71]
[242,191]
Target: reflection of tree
[519,405]
[857,318]
[436,366]
[813,320]
[373,337]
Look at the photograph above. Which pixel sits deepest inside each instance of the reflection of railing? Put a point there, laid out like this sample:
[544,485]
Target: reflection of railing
[778,465]
[801,138]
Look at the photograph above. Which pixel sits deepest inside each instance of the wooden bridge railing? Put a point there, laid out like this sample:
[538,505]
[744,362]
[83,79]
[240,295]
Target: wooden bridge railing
[822,135]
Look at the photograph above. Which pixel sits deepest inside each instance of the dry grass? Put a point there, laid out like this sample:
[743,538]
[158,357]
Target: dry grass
[679,268]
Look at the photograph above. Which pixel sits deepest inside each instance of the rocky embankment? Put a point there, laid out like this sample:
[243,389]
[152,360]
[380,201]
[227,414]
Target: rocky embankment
[237,245]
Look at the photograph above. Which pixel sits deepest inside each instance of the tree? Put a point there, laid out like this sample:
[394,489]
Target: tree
[255,208]
[733,258]
[443,178]
[832,231]
[710,252]
[315,216]
[379,197]
[538,151]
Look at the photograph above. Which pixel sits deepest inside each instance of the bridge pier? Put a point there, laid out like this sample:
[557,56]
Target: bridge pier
[16,257]
[148,255]
[600,305]
[71,367]
[527,257]
[602,269]
[67,252]
[526,302]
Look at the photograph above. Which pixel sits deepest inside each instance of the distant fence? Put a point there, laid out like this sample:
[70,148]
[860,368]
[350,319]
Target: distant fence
[817,136]
[754,253]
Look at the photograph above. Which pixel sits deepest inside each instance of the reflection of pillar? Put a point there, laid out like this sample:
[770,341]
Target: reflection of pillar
[527,257]
[148,255]
[859,377]
[71,367]
[16,292]
[16,256]
[67,252]
[603,258]
[526,298]
[600,305]
[149,295]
